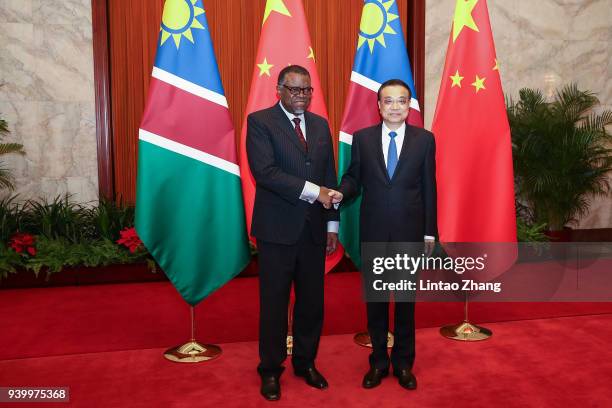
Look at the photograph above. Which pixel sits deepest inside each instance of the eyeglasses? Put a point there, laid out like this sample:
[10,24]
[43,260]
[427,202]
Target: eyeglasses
[295,90]
[389,101]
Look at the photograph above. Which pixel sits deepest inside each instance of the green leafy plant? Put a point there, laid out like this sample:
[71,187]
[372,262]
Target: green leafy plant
[6,177]
[526,230]
[10,261]
[561,152]
[529,232]
[109,217]
[42,235]
[11,217]
[60,218]
[56,254]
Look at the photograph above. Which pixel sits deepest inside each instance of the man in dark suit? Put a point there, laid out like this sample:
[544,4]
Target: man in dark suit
[394,164]
[291,158]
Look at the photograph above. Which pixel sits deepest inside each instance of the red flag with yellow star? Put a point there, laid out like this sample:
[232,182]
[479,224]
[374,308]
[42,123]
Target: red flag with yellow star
[473,146]
[283,19]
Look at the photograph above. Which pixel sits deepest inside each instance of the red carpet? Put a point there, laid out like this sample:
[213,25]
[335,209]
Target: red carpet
[72,320]
[560,362]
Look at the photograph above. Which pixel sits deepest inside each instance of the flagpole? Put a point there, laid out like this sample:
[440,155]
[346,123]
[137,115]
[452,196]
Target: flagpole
[290,324]
[192,351]
[465,331]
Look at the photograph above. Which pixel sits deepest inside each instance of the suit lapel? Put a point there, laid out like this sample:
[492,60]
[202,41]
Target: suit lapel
[287,126]
[379,152]
[311,133]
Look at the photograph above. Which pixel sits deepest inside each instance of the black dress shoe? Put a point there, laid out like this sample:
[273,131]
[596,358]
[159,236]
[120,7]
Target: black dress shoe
[406,379]
[270,388]
[374,377]
[313,378]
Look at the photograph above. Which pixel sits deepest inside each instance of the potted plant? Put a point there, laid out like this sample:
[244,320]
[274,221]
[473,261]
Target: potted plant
[561,153]
[60,235]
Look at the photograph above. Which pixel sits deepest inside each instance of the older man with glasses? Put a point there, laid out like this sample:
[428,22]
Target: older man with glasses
[291,158]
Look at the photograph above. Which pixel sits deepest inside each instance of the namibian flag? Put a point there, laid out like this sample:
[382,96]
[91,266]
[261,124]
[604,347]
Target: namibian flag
[381,55]
[189,210]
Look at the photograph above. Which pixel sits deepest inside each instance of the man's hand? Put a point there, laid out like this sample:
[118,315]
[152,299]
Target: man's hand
[336,196]
[429,246]
[332,242]
[325,198]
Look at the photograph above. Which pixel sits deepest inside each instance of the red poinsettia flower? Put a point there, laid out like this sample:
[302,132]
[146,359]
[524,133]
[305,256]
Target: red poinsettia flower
[21,241]
[129,239]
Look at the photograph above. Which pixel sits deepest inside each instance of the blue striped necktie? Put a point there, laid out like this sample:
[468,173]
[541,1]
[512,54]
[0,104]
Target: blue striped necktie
[392,155]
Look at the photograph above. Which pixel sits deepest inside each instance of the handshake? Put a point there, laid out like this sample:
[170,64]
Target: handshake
[328,197]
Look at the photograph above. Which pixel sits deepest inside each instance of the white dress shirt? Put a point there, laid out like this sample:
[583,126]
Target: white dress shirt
[311,191]
[386,140]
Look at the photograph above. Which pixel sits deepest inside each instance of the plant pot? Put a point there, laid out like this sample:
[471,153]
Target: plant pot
[82,275]
[563,235]
[25,278]
[122,273]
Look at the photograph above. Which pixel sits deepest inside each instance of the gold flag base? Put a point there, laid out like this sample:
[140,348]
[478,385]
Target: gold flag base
[363,339]
[193,352]
[289,345]
[465,331]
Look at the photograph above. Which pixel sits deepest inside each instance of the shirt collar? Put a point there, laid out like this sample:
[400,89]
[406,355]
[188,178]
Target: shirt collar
[291,115]
[400,131]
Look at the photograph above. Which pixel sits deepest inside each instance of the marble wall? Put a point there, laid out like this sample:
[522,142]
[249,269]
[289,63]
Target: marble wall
[540,44]
[47,96]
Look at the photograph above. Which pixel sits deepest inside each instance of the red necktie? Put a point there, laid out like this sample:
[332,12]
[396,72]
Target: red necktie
[300,135]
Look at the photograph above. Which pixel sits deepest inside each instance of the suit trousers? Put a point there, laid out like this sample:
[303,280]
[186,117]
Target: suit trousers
[403,352]
[302,264]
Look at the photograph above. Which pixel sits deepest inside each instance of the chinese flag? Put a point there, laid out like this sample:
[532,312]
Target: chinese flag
[283,20]
[473,146]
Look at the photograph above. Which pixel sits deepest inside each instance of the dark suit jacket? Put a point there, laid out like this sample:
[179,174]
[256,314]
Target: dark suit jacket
[280,165]
[402,209]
